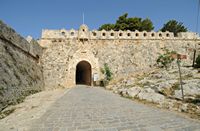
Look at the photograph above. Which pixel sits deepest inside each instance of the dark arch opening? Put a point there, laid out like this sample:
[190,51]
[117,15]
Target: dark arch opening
[83,73]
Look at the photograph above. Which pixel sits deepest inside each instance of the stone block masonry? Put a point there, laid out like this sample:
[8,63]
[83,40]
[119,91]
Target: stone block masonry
[20,69]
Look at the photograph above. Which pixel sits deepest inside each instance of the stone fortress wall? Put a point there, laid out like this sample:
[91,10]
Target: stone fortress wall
[27,67]
[20,70]
[125,52]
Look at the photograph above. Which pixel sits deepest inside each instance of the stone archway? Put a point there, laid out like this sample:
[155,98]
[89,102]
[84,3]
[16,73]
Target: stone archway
[79,56]
[83,73]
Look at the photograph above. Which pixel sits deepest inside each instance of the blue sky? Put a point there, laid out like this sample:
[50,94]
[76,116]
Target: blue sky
[29,17]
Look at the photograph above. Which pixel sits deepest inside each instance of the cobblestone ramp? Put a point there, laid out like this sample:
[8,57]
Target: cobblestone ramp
[95,109]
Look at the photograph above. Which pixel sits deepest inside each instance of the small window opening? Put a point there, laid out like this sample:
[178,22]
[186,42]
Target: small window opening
[94,33]
[72,33]
[120,34]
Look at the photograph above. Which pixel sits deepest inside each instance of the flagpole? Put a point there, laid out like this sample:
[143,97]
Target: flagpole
[83,18]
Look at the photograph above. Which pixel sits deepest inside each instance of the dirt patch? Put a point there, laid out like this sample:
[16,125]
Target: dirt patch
[32,108]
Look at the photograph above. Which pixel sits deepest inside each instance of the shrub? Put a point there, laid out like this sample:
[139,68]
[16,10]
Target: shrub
[165,60]
[108,74]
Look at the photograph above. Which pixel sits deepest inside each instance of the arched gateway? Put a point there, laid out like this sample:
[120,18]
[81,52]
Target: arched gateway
[83,73]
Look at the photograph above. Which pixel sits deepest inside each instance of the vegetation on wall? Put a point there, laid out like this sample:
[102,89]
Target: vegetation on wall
[132,23]
[164,60]
[174,26]
[107,73]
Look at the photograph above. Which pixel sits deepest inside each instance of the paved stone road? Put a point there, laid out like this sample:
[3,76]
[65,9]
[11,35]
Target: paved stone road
[95,109]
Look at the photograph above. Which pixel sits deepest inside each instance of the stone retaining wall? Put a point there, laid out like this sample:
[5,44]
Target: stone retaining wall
[20,69]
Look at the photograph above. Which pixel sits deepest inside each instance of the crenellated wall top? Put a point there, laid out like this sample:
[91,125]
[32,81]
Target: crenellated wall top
[85,33]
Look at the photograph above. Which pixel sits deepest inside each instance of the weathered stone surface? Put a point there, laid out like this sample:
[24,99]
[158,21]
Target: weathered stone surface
[35,49]
[151,96]
[163,88]
[133,92]
[123,92]
[20,71]
[191,88]
[9,35]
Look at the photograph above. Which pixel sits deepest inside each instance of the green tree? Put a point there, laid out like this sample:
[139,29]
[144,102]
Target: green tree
[147,25]
[174,26]
[133,23]
[107,27]
[122,19]
[121,23]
